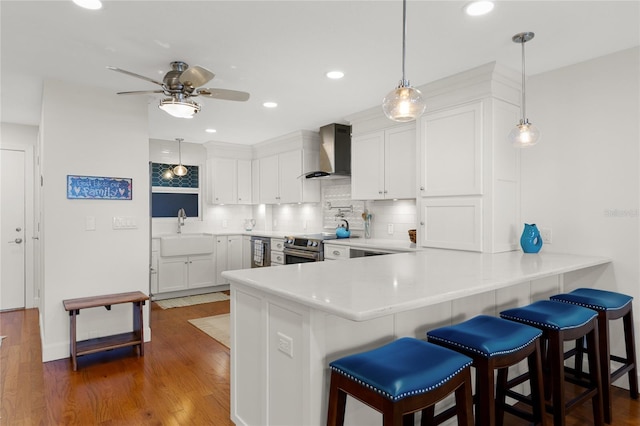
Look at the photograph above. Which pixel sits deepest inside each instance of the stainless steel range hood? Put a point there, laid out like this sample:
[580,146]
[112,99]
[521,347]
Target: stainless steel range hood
[335,152]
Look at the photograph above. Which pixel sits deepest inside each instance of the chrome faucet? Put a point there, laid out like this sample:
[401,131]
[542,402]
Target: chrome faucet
[181,217]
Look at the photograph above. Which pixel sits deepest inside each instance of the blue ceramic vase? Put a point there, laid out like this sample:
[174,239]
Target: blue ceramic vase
[531,241]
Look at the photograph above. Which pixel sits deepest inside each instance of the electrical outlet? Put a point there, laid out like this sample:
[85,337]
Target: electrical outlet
[224,223]
[390,229]
[285,344]
[546,235]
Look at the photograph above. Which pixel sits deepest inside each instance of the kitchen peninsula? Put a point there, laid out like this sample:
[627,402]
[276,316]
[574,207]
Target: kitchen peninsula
[289,322]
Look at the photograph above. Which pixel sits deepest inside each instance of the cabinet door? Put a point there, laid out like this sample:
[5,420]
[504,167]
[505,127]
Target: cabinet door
[255,181]
[269,178]
[153,271]
[201,271]
[224,181]
[367,166]
[172,274]
[452,151]
[244,181]
[290,167]
[234,252]
[400,162]
[247,256]
[221,258]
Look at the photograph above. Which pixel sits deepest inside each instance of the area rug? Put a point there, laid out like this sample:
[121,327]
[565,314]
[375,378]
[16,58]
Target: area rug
[216,326]
[179,302]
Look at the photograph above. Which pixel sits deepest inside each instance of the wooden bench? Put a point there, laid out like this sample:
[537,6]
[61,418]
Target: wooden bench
[133,338]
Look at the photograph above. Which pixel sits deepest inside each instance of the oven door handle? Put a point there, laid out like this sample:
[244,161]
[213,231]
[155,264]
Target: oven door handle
[301,253]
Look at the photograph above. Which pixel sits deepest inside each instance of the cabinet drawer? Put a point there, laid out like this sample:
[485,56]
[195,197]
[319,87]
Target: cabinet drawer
[333,252]
[277,244]
[277,257]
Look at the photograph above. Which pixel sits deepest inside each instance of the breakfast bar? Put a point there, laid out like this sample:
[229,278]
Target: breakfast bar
[289,322]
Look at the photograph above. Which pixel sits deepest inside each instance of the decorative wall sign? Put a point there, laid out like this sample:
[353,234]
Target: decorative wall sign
[96,187]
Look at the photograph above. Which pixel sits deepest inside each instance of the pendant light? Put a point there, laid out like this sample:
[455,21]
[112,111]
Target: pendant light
[180,170]
[524,134]
[404,103]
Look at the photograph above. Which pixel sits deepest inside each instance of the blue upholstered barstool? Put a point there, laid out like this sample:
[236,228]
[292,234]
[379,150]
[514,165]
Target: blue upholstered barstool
[610,306]
[496,344]
[400,378]
[561,322]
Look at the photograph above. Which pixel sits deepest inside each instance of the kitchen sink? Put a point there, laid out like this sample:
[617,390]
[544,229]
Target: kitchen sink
[186,244]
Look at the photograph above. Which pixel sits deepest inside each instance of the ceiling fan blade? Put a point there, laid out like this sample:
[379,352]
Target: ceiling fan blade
[140,92]
[133,74]
[196,76]
[227,95]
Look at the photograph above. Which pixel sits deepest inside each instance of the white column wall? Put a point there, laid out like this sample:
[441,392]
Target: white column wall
[88,131]
[582,180]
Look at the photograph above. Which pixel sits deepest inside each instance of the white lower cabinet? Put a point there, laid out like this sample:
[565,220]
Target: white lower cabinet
[246,252]
[229,255]
[336,252]
[277,254]
[185,272]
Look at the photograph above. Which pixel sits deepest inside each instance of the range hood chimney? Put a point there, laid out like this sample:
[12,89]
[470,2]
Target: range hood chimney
[335,152]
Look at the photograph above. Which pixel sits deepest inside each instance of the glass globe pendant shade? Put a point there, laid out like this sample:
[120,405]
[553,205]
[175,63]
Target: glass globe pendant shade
[404,103]
[180,170]
[524,135]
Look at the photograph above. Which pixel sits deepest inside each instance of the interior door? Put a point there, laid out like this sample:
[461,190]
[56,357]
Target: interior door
[12,234]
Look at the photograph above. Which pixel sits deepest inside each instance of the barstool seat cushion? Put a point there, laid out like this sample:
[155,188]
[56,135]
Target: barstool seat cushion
[486,335]
[592,298]
[551,315]
[402,368]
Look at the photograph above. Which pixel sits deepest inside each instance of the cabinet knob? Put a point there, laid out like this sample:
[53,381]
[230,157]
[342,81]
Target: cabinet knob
[336,252]
[421,223]
[422,188]
[379,192]
[385,191]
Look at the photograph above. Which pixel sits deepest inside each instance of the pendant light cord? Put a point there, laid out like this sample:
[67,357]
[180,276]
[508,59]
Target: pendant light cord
[404,38]
[179,151]
[524,96]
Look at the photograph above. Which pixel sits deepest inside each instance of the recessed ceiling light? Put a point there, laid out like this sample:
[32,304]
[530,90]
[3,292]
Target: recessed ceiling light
[270,104]
[478,8]
[89,4]
[210,130]
[335,75]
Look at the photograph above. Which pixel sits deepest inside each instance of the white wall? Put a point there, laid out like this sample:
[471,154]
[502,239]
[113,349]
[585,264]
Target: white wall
[86,131]
[582,180]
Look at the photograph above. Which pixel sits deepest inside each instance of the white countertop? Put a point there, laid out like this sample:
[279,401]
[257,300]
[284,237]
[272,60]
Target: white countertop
[365,288]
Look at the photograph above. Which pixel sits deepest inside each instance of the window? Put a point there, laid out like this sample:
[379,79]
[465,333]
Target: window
[170,193]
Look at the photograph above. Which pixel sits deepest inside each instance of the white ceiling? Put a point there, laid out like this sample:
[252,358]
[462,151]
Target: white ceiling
[280,51]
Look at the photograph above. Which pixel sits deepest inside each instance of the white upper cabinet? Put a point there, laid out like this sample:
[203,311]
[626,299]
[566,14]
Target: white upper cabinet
[281,163]
[244,182]
[383,164]
[452,151]
[229,181]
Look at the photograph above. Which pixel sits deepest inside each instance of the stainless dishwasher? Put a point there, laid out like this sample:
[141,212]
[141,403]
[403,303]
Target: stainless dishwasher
[260,252]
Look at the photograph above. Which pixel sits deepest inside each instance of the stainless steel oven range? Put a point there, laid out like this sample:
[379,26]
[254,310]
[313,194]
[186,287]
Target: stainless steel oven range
[305,248]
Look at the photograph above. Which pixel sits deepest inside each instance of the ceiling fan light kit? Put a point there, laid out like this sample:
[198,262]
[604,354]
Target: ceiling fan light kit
[179,108]
[404,103]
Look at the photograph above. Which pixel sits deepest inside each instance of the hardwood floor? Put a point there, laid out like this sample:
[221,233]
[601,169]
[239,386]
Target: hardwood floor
[183,379]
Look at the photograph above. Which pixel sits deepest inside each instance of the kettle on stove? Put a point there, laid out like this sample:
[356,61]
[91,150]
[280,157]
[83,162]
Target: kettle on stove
[342,231]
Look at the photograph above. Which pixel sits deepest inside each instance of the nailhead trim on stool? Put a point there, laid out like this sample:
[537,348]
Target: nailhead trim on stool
[610,306]
[400,378]
[562,322]
[496,344]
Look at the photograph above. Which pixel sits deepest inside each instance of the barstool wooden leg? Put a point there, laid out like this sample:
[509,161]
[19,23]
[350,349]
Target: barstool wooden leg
[556,364]
[630,344]
[594,371]
[337,402]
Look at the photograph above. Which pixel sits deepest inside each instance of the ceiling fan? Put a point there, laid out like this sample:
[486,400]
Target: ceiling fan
[180,84]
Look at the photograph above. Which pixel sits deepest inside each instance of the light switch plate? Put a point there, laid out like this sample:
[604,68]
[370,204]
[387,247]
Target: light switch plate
[124,222]
[90,223]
